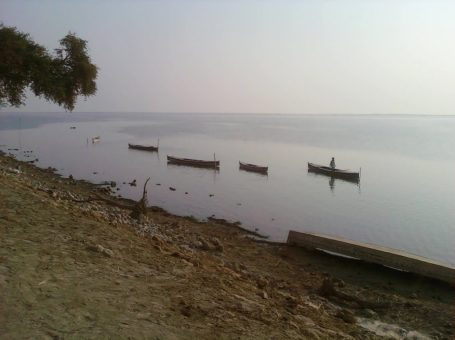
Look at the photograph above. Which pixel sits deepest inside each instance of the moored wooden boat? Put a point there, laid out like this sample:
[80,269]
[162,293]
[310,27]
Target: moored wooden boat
[391,258]
[253,167]
[143,147]
[193,162]
[337,173]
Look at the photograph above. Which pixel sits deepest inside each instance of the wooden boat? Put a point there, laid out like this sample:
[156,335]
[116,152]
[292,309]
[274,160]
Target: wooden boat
[96,139]
[392,258]
[143,147]
[193,162]
[337,173]
[253,168]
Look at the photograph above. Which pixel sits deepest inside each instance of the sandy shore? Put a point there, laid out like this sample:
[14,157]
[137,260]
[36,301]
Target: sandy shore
[87,270]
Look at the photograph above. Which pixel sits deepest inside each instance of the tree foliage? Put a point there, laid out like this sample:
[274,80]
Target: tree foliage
[60,77]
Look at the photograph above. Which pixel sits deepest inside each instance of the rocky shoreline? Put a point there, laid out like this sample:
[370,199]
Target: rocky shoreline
[71,267]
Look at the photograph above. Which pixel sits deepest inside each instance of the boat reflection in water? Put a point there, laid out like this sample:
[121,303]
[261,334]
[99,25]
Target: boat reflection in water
[333,180]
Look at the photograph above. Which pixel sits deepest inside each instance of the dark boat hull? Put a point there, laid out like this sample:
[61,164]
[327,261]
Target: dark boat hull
[143,147]
[253,168]
[336,173]
[193,162]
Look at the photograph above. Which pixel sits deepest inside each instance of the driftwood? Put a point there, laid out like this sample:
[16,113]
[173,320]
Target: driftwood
[140,208]
[137,210]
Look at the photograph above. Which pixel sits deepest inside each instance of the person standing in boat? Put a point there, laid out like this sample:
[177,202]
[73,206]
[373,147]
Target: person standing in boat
[332,163]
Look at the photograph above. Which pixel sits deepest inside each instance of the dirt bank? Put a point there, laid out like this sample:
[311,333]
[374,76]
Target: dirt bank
[86,270]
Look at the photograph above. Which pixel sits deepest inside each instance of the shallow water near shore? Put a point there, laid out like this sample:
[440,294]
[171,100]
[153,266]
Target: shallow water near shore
[404,199]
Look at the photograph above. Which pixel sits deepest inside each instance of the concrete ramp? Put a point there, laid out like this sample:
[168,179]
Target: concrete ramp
[374,254]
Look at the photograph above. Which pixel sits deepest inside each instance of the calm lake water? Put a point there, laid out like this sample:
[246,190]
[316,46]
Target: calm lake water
[405,198]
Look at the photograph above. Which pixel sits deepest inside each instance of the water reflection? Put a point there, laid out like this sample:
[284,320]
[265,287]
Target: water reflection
[332,184]
[155,154]
[255,173]
[332,180]
[194,166]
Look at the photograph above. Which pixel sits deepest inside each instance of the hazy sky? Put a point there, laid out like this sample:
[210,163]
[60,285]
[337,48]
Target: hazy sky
[276,56]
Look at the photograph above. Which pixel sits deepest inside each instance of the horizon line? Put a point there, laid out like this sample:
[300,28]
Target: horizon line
[245,113]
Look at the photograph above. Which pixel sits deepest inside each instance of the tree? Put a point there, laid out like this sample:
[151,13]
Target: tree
[59,78]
